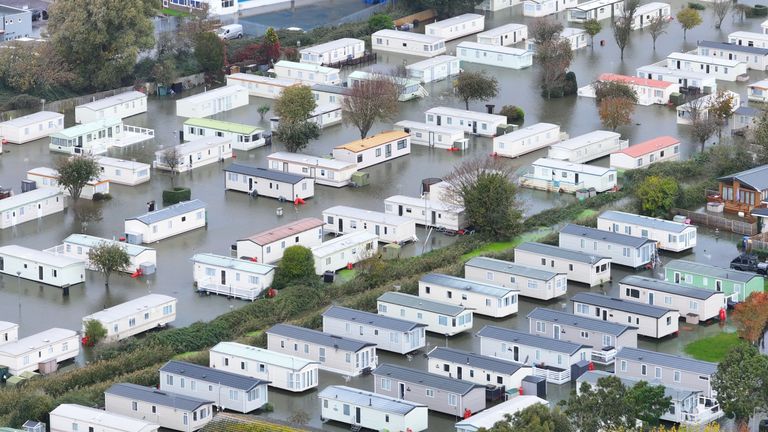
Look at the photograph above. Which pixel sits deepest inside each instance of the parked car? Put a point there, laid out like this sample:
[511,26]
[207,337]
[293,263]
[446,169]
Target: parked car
[230,31]
[38,14]
[749,263]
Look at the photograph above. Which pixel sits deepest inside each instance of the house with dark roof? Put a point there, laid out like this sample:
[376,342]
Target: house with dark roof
[442,394]
[605,337]
[369,410]
[651,321]
[167,222]
[696,304]
[257,181]
[737,285]
[756,58]
[334,353]
[550,358]
[669,235]
[538,283]
[388,333]
[683,371]
[745,190]
[227,390]
[745,117]
[485,298]
[440,317]
[623,249]
[476,368]
[169,410]
[583,267]
[268,246]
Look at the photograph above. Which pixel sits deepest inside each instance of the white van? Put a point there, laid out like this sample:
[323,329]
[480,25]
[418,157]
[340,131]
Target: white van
[231,31]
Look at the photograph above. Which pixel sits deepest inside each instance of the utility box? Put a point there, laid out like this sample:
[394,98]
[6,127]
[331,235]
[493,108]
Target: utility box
[329,276]
[28,185]
[147,268]
[134,238]
[391,251]
[360,179]
[33,426]
[534,386]
[578,369]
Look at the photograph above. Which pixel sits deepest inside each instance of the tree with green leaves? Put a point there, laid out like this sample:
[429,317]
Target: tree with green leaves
[269,48]
[296,266]
[94,331]
[592,26]
[741,383]
[108,258]
[721,109]
[646,402]
[75,172]
[758,137]
[614,89]
[622,25]
[657,27]
[553,58]
[657,195]
[513,113]
[688,19]
[209,53]
[371,100]
[101,39]
[263,110]
[475,86]
[295,136]
[539,418]
[295,104]
[380,21]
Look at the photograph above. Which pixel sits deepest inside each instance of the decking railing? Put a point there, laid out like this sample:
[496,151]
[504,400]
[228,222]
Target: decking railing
[555,376]
[210,287]
[719,222]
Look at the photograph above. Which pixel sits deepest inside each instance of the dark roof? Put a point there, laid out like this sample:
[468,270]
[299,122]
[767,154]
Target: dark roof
[369,318]
[522,338]
[451,385]
[734,47]
[555,251]
[157,397]
[759,211]
[747,111]
[668,287]
[668,360]
[211,375]
[492,364]
[278,176]
[179,209]
[318,337]
[756,178]
[607,236]
[330,89]
[579,321]
[619,304]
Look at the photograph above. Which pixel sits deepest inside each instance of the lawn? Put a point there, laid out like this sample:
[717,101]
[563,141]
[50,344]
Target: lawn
[713,348]
[503,246]
[174,12]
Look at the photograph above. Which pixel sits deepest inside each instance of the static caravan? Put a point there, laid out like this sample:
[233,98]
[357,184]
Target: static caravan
[507,34]
[689,373]
[333,51]
[281,371]
[577,37]
[263,182]
[227,390]
[173,411]
[626,250]
[364,409]
[78,246]
[587,147]
[669,235]
[41,351]
[580,267]
[486,371]
[758,91]
[645,14]
[488,418]
[327,172]
[31,127]
[604,337]
[720,68]
[212,102]
[487,299]
[135,316]
[540,8]
[567,177]
[434,69]
[70,417]
[470,121]
[648,91]
[231,277]
[326,94]
[343,251]
[374,149]
[41,266]
[9,332]
[306,73]
[755,58]
[496,5]
[260,86]
[97,137]
[550,358]
[697,303]
[389,228]
[268,246]
[410,88]
[427,212]
[167,222]
[336,354]
[530,282]
[439,393]
[119,171]
[403,42]
[745,38]
[527,139]
[737,285]
[651,321]
[456,27]
[745,118]
[443,318]
[442,137]
[28,206]
[702,104]
[45,177]
[118,106]
[323,116]
[494,55]
[704,82]
[596,9]
[244,137]
[195,154]
[660,149]
[388,333]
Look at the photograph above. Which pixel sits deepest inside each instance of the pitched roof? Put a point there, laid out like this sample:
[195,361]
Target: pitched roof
[711,271]
[375,320]
[416,302]
[556,251]
[226,126]
[734,47]
[374,401]
[756,178]
[91,241]
[117,99]
[129,308]
[369,215]
[619,304]
[332,45]
[38,256]
[104,420]
[573,166]
[170,211]
[471,359]
[467,285]
[346,241]
[607,236]
[668,360]
[373,141]
[579,321]
[649,146]
[450,385]
[318,337]
[278,233]
[37,341]
[233,263]
[644,82]
[511,268]
[496,49]
[31,119]
[262,355]
[278,176]
[747,111]
[459,19]
[155,396]
[522,338]
[668,287]
[644,221]
[417,37]
[211,375]
[502,29]
[586,139]
[25,198]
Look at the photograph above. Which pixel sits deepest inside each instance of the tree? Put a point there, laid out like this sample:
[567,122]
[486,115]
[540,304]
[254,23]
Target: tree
[720,9]
[263,110]
[108,258]
[616,111]
[758,137]
[75,173]
[514,114]
[742,10]
[295,104]
[751,318]
[297,135]
[553,58]
[164,72]
[371,100]
[613,89]
[269,49]
[657,27]
[622,25]
[646,403]
[592,27]
[380,21]
[545,30]
[741,382]
[209,53]
[101,39]
[703,125]
[471,86]
[449,8]
[171,157]
[539,418]
[94,331]
[297,265]
[720,110]
[484,188]
[688,19]
[34,69]
[657,195]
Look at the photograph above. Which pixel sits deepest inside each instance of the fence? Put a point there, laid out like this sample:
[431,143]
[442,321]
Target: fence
[719,222]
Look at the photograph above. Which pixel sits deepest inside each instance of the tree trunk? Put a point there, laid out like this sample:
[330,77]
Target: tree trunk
[466,104]
[654,44]
[702,145]
[685,33]
[106,280]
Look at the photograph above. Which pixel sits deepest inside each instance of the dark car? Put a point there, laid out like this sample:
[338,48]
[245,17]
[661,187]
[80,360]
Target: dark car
[749,263]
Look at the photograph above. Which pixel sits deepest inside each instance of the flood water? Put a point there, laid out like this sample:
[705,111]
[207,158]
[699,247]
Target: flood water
[234,215]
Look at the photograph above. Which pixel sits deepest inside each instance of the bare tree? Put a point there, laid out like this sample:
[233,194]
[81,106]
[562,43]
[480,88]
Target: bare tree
[171,158]
[703,126]
[720,9]
[553,58]
[622,25]
[741,10]
[371,100]
[657,27]
[545,30]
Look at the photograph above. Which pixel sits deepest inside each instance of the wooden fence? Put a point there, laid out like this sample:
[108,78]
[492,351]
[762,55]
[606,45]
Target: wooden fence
[719,222]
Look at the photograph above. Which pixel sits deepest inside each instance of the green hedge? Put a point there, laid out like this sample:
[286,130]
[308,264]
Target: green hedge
[177,195]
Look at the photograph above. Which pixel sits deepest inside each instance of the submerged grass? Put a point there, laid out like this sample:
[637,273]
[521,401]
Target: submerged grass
[713,348]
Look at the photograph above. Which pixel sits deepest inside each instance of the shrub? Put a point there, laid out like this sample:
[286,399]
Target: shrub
[697,6]
[98,196]
[177,195]
[297,265]
[514,114]
[571,85]
[22,101]
[95,331]
[759,11]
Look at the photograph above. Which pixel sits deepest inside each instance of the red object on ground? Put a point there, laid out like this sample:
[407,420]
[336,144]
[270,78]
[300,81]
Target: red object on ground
[122,239]
[234,156]
[137,273]
[722,314]
[298,201]
[467,413]
[520,390]
[349,266]
[271,292]
[254,259]
[591,366]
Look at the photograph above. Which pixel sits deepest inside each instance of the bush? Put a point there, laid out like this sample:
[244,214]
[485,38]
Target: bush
[297,265]
[22,101]
[380,21]
[94,331]
[177,195]
[571,85]
[514,114]
[759,11]
[98,196]
[697,6]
